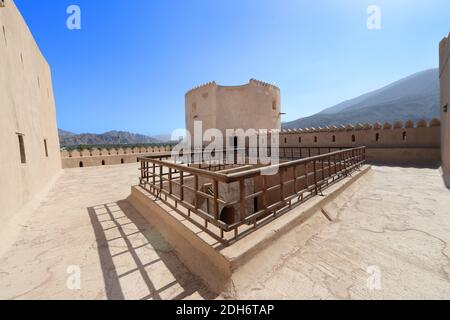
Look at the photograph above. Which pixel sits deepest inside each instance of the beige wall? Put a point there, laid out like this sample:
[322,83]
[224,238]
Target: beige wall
[444,53]
[255,105]
[399,143]
[96,157]
[27,105]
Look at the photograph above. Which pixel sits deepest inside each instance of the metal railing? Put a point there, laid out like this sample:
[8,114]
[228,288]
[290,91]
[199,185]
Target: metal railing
[222,198]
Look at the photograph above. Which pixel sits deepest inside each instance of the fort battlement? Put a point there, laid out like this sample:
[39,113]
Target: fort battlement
[397,143]
[111,156]
[205,85]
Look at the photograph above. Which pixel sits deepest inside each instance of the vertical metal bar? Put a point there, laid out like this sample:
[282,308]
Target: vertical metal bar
[196,191]
[282,184]
[243,204]
[216,199]
[264,192]
[315,177]
[170,181]
[181,186]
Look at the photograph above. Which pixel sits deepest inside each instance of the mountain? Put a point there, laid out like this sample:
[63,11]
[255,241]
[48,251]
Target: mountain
[414,97]
[67,138]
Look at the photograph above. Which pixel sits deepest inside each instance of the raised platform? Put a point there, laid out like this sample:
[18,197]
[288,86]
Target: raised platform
[209,259]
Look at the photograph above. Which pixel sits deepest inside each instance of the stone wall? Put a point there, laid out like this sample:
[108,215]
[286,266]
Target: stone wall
[398,143]
[28,120]
[101,157]
[444,75]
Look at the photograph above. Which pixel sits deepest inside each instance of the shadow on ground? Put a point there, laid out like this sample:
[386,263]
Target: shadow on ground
[136,261]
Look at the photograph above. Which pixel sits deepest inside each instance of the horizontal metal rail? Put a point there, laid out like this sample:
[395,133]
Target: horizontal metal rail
[221,198]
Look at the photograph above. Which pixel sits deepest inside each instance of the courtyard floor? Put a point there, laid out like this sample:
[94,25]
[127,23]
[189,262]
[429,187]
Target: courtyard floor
[387,239]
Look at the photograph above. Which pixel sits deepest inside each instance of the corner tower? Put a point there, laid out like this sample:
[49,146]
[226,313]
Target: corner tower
[255,105]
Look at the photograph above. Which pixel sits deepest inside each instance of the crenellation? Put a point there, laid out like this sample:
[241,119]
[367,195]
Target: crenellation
[434,123]
[409,124]
[422,123]
[398,125]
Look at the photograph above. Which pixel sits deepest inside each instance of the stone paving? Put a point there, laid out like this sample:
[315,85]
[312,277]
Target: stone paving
[388,238]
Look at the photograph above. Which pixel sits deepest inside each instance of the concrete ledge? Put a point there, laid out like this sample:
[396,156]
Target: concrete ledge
[204,256]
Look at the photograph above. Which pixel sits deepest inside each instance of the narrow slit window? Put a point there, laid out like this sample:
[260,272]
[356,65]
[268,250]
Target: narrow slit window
[285,140]
[103,162]
[300,140]
[334,139]
[315,139]
[353,138]
[404,136]
[23,157]
[46,148]
[377,137]
[4,36]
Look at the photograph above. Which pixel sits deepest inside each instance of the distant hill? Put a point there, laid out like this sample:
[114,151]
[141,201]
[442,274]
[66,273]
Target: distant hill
[414,97]
[67,138]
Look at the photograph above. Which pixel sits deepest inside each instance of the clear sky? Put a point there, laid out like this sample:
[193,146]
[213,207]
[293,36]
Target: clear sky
[131,63]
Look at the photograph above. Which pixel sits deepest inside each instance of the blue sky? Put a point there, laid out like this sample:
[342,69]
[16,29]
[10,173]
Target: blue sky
[131,63]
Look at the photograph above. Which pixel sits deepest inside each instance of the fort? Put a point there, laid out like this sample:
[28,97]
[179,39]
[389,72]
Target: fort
[141,224]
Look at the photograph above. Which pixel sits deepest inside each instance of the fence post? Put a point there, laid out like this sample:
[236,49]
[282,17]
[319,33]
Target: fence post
[242,201]
[216,201]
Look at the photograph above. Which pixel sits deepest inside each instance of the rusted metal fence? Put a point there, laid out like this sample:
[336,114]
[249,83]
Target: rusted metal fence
[228,201]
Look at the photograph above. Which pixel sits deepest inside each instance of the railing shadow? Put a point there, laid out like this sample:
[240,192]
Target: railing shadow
[137,263]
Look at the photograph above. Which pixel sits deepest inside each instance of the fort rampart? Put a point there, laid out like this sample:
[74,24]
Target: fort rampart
[406,143]
[98,157]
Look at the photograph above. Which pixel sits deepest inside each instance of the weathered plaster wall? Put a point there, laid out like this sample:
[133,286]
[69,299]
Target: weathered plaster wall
[255,105]
[28,109]
[444,53]
[398,143]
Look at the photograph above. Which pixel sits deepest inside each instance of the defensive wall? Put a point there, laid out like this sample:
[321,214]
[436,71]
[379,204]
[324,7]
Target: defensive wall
[406,143]
[101,157]
[30,159]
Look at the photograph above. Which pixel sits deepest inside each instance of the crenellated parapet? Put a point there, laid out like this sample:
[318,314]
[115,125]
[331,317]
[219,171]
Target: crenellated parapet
[201,86]
[263,84]
[107,156]
[367,126]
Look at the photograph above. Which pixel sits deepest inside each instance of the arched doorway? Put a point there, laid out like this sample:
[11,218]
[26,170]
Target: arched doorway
[227,215]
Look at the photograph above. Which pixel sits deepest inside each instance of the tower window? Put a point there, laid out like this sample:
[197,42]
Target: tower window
[285,140]
[23,157]
[377,137]
[445,108]
[81,164]
[300,140]
[121,161]
[353,138]
[46,148]
[334,139]
[404,136]
[315,139]
[103,162]
[4,35]
[274,105]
